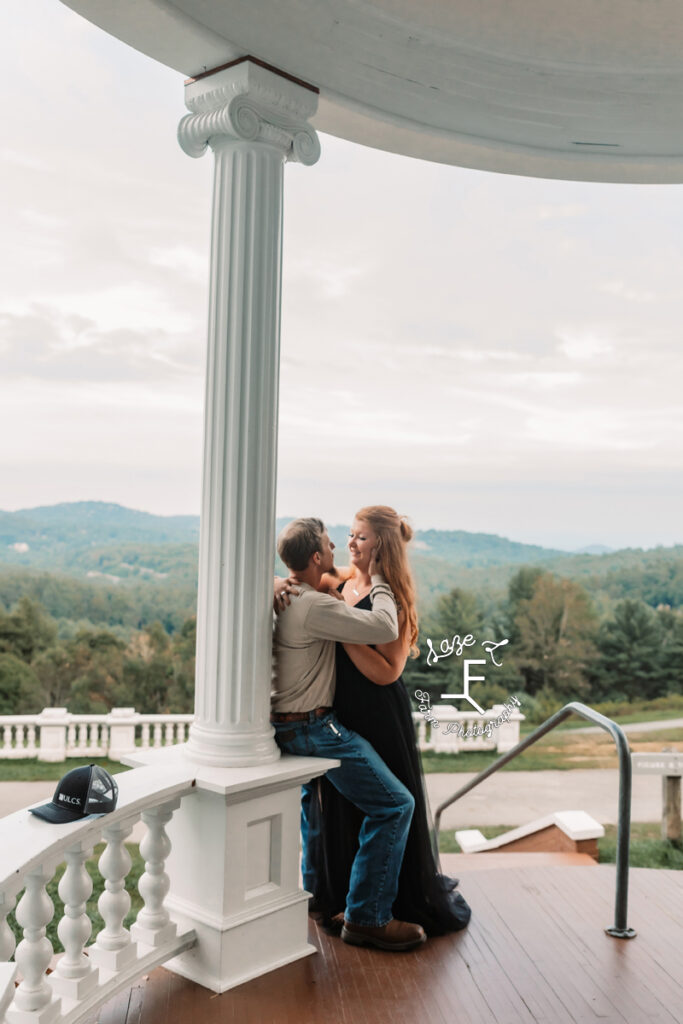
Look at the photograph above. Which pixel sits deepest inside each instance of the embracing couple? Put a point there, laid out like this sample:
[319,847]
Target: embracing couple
[342,639]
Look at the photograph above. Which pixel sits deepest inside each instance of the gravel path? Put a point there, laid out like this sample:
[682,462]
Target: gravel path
[515,798]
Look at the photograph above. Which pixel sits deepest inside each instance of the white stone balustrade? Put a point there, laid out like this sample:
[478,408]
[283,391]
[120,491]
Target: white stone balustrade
[33,998]
[84,977]
[55,734]
[75,974]
[452,737]
[153,925]
[114,947]
[124,731]
[18,736]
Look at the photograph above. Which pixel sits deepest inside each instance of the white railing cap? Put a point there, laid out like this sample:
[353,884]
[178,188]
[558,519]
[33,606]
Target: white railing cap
[27,841]
[141,718]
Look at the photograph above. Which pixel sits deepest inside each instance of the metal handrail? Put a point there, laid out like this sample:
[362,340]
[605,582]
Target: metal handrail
[619,929]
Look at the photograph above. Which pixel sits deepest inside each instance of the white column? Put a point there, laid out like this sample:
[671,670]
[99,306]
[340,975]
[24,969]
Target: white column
[253,119]
[234,859]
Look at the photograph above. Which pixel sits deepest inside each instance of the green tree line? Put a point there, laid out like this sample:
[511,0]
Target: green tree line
[92,669]
[560,647]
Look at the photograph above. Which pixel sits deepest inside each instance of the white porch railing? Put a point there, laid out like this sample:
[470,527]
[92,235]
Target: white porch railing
[460,731]
[55,734]
[85,977]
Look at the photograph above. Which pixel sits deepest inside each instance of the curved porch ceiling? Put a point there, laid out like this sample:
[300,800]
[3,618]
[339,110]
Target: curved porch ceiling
[587,89]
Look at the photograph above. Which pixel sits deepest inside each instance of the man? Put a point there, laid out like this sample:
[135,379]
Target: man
[303,693]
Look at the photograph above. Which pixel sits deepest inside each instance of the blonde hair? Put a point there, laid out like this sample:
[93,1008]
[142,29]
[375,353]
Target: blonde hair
[394,533]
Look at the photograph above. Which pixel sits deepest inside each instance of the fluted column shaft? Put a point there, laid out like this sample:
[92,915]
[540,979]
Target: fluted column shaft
[253,120]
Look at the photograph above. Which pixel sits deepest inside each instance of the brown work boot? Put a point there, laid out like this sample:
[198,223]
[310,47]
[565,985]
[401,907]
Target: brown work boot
[333,925]
[397,935]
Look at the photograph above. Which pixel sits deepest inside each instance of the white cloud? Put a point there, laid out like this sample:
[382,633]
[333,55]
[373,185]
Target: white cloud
[624,292]
[591,430]
[421,357]
[583,345]
[561,211]
[178,257]
[549,380]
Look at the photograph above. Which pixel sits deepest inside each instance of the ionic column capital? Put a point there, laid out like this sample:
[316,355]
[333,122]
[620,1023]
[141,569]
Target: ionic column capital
[248,102]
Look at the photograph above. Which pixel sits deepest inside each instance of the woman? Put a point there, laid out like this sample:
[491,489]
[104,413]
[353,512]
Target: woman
[372,700]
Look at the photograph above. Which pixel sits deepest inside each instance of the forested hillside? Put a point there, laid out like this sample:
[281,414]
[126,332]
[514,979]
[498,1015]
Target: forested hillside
[97,608]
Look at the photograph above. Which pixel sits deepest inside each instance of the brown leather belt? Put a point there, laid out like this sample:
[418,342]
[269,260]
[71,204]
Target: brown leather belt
[298,716]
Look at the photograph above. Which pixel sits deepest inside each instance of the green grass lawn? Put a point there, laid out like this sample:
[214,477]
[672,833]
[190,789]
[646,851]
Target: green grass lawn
[647,848]
[557,750]
[27,769]
[533,760]
[138,866]
[577,722]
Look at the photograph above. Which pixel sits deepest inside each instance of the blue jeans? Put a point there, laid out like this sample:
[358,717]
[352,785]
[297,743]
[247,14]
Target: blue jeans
[364,779]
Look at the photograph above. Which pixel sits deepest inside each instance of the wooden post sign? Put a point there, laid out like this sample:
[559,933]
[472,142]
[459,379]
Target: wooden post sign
[669,765]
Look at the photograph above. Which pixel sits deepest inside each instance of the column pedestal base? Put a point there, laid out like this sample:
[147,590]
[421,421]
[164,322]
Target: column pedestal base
[234,867]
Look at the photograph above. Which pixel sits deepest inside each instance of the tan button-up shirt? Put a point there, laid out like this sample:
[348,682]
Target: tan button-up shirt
[303,645]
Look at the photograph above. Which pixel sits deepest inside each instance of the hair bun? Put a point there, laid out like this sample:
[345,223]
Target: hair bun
[406,529]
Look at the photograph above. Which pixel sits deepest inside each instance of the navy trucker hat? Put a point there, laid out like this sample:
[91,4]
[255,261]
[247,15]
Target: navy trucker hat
[87,792]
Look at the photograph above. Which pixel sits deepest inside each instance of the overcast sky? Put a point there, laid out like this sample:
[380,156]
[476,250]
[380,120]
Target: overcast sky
[484,352]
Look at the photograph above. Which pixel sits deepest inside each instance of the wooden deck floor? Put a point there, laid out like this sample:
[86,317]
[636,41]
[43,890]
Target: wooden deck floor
[535,951]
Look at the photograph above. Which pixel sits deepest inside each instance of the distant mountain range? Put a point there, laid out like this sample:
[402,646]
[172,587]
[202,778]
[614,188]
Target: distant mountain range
[75,536]
[108,544]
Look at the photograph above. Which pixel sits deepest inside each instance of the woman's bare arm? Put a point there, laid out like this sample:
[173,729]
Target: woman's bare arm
[382,664]
[330,581]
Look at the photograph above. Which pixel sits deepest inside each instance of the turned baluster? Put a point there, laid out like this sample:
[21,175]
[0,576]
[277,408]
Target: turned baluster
[113,947]
[75,975]
[153,926]
[145,735]
[157,734]
[70,739]
[31,739]
[168,734]
[34,953]
[7,940]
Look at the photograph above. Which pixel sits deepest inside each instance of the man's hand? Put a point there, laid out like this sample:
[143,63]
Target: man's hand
[282,588]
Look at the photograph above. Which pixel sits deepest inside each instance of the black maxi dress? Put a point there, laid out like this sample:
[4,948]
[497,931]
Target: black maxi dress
[381,714]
